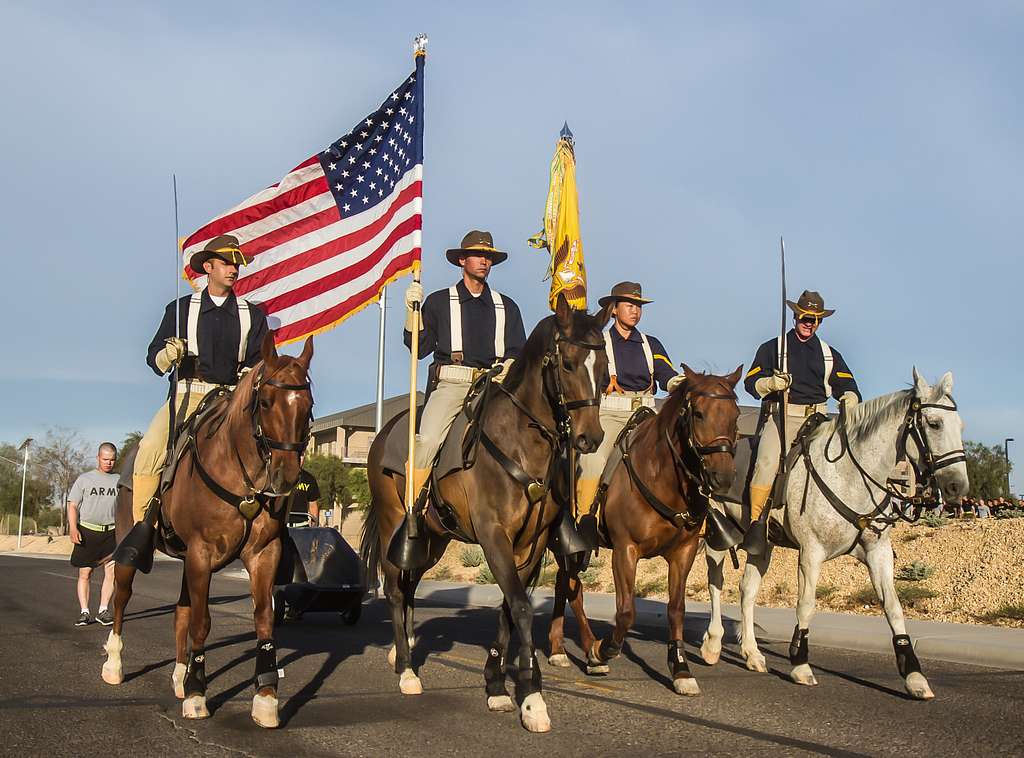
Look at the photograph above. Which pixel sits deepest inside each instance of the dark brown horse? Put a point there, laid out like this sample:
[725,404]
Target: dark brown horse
[548,401]
[249,448]
[656,502]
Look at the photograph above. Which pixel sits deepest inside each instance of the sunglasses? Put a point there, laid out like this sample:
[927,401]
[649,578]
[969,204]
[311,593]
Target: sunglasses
[809,320]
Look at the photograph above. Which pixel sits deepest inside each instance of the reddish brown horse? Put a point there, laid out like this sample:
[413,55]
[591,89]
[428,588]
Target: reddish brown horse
[250,448]
[548,401]
[656,502]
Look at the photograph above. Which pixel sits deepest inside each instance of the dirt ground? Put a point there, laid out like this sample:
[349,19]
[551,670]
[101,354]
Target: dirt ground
[976,575]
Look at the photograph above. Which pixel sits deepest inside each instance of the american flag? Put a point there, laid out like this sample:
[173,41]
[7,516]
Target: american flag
[339,226]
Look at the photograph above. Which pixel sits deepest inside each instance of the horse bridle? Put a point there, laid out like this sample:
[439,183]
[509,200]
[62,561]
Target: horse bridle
[925,469]
[720,444]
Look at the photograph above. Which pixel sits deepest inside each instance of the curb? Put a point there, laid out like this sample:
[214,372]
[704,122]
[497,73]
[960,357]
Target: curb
[995,647]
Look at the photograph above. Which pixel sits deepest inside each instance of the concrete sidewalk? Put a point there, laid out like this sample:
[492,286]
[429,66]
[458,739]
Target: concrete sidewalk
[998,647]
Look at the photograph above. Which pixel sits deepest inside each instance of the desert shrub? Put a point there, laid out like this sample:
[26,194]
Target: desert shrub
[1010,513]
[934,521]
[591,578]
[1011,611]
[484,575]
[441,573]
[655,586]
[911,536]
[915,571]
[911,594]
[547,576]
[780,591]
[864,596]
[825,591]
[471,556]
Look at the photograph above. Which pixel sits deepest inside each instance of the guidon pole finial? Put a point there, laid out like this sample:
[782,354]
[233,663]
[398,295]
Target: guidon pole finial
[419,45]
[566,133]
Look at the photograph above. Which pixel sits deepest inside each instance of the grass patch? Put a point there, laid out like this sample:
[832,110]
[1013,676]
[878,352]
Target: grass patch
[441,573]
[864,596]
[911,536]
[826,591]
[696,589]
[915,571]
[780,591]
[911,594]
[484,576]
[471,556]
[934,521]
[547,576]
[1007,611]
[656,586]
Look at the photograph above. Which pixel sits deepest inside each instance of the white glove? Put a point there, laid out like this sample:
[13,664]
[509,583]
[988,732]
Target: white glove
[675,381]
[850,399]
[413,294]
[777,382]
[172,353]
[505,366]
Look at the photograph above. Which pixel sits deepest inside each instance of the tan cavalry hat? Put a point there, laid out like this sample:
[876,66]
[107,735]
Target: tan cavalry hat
[631,292]
[476,243]
[810,304]
[224,247]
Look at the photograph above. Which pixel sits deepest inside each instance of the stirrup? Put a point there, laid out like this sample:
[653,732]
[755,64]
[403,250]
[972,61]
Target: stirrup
[755,541]
[136,549]
[568,539]
[721,531]
[408,552]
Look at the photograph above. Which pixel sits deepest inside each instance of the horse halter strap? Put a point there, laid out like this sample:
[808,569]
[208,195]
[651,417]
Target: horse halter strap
[720,444]
[263,440]
[931,463]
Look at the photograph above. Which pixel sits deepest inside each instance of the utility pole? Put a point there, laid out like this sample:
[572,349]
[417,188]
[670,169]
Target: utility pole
[1006,454]
[24,473]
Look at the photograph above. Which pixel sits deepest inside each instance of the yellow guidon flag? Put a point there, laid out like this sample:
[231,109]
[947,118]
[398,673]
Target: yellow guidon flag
[561,233]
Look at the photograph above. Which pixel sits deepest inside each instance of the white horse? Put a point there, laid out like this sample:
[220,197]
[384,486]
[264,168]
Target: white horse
[924,422]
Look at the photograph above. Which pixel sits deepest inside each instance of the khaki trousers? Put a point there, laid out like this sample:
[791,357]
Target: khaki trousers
[767,464]
[442,407]
[592,464]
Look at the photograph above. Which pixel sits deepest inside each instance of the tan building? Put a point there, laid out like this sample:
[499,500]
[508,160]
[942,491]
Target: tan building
[348,434]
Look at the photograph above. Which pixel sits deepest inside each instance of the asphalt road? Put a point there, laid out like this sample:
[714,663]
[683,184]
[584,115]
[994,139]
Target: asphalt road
[339,698]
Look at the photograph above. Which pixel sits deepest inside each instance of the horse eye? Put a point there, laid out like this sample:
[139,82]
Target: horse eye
[568,365]
[264,403]
[934,423]
[698,414]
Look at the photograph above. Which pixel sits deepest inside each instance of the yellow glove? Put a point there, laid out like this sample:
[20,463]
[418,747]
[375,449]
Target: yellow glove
[172,353]
[850,399]
[777,382]
[505,366]
[414,294]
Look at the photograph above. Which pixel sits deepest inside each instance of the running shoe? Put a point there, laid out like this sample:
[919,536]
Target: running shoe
[105,617]
[84,620]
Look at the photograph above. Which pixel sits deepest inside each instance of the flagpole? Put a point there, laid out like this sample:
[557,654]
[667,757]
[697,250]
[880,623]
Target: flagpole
[383,303]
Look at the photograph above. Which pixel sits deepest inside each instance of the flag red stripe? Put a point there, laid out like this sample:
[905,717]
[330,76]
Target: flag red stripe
[287,233]
[335,313]
[340,276]
[315,255]
[304,164]
[253,213]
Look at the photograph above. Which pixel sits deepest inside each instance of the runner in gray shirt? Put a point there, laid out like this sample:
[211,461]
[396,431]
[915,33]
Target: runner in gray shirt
[91,508]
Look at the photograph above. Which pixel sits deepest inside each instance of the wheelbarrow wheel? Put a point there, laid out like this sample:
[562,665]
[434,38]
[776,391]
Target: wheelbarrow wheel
[351,614]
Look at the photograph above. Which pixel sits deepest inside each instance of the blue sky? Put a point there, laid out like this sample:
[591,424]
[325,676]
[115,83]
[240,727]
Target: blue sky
[883,140]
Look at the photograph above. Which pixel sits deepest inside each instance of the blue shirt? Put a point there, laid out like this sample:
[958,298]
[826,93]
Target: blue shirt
[631,363]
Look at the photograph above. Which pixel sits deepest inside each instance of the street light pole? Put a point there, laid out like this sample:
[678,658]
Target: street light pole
[24,473]
[1006,454]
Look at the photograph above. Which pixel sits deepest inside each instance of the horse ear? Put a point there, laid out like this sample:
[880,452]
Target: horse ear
[920,384]
[307,352]
[268,350]
[734,377]
[563,313]
[688,372]
[602,316]
[946,384]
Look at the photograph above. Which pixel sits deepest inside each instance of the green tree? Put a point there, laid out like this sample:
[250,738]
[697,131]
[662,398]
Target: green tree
[37,489]
[63,457]
[129,443]
[987,469]
[358,486]
[331,477]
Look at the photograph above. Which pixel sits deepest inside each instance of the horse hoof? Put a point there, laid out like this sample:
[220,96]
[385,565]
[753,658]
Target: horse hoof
[113,674]
[534,714]
[194,707]
[409,683]
[597,669]
[802,674]
[560,660]
[264,711]
[178,680]
[500,703]
[686,685]
[917,687]
[756,662]
[710,653]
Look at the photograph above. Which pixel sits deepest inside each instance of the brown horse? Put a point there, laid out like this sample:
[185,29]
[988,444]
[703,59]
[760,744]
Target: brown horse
[656,502]
[249,449]
[548,402]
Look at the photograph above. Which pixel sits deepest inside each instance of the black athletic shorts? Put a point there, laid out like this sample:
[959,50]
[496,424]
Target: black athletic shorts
[94,547]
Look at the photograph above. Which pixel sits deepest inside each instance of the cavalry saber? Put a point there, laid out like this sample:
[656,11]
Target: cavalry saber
[783,364]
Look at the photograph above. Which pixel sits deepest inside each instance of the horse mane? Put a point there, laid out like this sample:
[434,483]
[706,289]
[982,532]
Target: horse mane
[669,411]
[870,416]
[240,401]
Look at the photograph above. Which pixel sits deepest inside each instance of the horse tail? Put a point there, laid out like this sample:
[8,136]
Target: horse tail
[369,542]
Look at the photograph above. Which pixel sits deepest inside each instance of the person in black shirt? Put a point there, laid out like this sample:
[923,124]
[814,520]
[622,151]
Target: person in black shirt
[810,373]
[467,327]
[222,336]
[304,498]
[637,365]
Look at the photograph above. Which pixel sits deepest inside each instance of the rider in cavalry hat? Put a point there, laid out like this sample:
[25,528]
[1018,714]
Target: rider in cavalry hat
[810,372]
[637,364]
[222,336]
[468,327]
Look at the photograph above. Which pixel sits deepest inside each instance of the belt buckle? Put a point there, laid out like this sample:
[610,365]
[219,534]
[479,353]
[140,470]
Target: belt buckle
[635,402]
[809,410]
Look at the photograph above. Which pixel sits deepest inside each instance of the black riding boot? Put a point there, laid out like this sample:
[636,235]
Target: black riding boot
[136,549]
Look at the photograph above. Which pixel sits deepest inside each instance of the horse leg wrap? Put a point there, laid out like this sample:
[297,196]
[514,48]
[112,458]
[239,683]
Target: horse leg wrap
[494,672]
[266,665]
[607,649]
[677,659]
[195,673]
[906,658]
[528,681]
[798,646]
